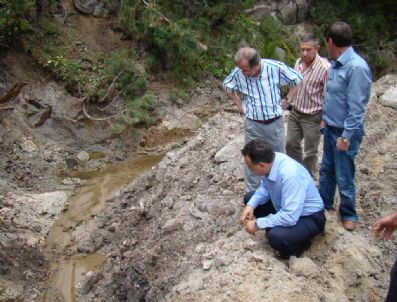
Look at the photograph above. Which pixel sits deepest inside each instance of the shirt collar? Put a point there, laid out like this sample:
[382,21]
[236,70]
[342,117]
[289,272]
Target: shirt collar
[344,57]
[312,65]
[274,170]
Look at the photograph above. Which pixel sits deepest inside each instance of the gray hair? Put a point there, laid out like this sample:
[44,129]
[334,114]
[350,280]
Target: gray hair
[310,38]
[249,54]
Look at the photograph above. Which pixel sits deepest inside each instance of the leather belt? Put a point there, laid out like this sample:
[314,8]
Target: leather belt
[266,122]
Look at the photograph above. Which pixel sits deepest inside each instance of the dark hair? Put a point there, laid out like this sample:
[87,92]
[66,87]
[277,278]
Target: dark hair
[255,60]
[310,38]
[340,33]
[258,151]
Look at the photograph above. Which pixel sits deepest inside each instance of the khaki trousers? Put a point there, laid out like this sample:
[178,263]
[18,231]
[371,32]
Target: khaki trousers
[306,128]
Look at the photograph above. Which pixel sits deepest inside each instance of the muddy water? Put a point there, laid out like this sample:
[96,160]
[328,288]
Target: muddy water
[90,199]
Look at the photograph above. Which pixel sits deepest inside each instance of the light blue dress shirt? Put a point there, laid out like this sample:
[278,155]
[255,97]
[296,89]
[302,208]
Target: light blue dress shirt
[347,93]
[261,95]
[292,191]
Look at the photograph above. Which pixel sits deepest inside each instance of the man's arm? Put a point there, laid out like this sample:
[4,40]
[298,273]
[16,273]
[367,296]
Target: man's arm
[261,196]
[357,93]
[293,197]
[287,101]
[237,101]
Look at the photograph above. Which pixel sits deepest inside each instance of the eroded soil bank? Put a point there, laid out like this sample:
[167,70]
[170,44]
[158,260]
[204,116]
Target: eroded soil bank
[174,235]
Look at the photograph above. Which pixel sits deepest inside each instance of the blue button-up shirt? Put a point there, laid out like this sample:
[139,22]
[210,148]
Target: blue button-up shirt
[292,191]
[261,95]
[347,93]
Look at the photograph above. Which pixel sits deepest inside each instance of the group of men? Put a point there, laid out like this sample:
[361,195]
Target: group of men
[324,98]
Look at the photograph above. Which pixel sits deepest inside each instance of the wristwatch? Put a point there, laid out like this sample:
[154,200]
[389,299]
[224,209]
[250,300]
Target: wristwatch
[345,140]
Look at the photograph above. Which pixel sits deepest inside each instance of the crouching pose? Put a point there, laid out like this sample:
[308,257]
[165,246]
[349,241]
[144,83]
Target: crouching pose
[287,203]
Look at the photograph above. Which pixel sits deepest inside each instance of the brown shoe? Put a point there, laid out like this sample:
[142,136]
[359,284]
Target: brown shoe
[349,225]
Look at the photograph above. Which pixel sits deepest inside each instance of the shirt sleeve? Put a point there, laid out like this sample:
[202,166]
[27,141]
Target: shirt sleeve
[293,192]
[357,93]
[230,84]
[261,196]
[289,76]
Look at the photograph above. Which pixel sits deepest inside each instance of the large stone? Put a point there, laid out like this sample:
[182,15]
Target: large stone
[86,6]
[303,267]
[389,98]
[294,12]
[231,151]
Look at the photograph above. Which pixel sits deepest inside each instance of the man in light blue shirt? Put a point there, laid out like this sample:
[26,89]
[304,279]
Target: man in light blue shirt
[254,86]
[346,97]
[286,204]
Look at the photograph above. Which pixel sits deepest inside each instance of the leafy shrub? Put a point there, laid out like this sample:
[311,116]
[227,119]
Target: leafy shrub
[14,19]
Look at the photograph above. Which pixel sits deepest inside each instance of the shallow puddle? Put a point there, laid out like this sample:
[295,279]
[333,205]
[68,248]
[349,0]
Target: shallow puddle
[65,273]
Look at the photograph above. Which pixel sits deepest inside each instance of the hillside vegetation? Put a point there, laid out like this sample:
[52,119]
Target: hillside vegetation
[180,41]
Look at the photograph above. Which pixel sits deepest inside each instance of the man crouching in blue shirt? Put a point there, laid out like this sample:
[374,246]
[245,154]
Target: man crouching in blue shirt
[286,204]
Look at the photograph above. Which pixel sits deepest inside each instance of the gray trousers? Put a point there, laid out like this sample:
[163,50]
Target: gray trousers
[273,134]
[304,127]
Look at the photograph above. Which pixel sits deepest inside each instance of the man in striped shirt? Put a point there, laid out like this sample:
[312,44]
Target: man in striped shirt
[307,101]
[254,86]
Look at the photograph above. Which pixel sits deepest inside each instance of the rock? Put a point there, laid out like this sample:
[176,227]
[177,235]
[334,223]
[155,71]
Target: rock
[294,12]
[72,163]
[86,6]
[10,291]
[231,151]
[303,267]
[28,145]
[389,98]
[40,118]
[280,53]
[171,225]
[83,156]
[207,264]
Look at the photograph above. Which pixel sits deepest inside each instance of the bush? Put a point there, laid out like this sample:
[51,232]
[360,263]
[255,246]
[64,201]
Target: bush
[14,20]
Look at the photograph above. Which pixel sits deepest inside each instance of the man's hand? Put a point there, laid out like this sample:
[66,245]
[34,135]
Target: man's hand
[247,214]
[341,145]
[250,227]
[385,226]
[284,103]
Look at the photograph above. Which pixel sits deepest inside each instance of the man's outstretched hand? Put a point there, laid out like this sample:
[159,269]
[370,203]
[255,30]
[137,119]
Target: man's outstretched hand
[384,227]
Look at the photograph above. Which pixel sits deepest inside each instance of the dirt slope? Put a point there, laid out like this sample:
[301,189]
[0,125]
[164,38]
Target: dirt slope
[174,235]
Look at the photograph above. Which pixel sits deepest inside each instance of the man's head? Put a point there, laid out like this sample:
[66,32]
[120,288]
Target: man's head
[338,36]
[309,46]
[258,156]
[249,61]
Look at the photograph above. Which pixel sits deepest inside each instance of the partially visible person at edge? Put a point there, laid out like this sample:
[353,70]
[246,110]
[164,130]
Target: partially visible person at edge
[306,104]
[346,97]
[286,204]
[254,86]
[383,230]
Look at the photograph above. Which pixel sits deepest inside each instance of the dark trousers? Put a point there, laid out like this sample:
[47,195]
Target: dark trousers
[290,240]
[392,294]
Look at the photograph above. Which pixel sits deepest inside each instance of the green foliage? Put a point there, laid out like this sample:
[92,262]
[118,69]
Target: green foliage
[117,75]
[174,95]
[373,24]
[139,110]
[14,19]
[67,70]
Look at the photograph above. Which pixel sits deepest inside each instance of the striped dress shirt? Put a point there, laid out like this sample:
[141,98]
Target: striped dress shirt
[261,94]
[309,98]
